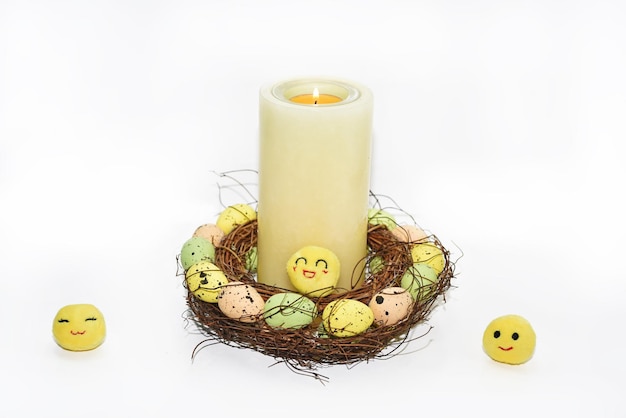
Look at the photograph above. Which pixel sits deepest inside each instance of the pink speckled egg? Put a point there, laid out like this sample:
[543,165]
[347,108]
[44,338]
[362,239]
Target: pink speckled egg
[391,305]
[409,233]
[210,232]
[240,301]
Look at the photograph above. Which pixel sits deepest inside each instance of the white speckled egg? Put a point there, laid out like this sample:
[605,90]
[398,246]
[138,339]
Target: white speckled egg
[240,301]
[391,305]
[347,317]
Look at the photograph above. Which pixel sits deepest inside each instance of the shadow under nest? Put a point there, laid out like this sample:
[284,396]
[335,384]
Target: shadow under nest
[305,350]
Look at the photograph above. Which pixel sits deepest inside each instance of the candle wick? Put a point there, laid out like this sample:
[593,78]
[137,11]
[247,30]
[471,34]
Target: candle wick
[315,102]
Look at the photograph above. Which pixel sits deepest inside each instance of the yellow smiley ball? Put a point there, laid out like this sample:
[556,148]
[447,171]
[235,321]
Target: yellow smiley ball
[79,327]
[313,271]
[235,215]
[509,339]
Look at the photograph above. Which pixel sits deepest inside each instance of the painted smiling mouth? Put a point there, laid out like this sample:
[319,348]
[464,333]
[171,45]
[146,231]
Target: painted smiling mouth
[78,332]
[308,274]
[505,349]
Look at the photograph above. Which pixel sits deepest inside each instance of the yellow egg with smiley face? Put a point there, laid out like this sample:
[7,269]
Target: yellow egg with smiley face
[314,271]
[509,339]
[79,327]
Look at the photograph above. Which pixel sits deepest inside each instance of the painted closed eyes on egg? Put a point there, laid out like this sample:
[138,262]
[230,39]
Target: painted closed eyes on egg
[79,327]
[313,271]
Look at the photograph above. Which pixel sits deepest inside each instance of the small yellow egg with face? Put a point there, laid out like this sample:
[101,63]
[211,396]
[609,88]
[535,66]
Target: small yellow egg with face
[509,339]
[313,271]
[79,327]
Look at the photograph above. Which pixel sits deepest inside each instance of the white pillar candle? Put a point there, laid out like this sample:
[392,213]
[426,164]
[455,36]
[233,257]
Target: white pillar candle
[314,175]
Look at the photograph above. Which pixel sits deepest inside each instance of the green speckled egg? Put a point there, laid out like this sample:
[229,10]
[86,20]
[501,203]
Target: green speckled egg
[347,317]
[196,249]
[419,280]
[289,310]
[381,217]
[251,259]
[376,264]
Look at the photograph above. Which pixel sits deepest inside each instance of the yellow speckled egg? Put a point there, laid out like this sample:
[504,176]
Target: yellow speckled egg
[347,317]
[391,305]
[205,281]
[430,254]
[235,215]
[240,301]
[409,233]
[210,232]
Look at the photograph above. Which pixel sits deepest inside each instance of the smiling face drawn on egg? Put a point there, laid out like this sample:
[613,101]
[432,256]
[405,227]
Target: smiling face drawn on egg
[313,271]
[79,327]
[509,339]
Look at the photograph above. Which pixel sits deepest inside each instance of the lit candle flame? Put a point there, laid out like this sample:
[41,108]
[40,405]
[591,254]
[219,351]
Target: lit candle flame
[316,95]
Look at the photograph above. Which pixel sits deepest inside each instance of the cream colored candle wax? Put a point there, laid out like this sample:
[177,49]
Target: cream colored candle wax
[314,174]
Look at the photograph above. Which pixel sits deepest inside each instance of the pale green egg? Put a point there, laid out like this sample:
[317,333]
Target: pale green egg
[381,217]
[376,264]
[289,310]
[251,259]
[196,249]
[420,280]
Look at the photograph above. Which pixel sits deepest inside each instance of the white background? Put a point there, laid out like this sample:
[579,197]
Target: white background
[499,125]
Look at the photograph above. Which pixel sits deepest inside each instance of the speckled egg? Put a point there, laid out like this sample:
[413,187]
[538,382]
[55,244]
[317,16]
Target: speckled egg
[428,253]
[391,305]
[210,232]
[196,249]
[381,217]
[251,259]
[347,317]
[289,310]
[235,215]
[409,233]
[419,280]
[205,281]
[376,264]
[240,301]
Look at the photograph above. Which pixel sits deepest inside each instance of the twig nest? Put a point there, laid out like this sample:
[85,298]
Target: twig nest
[317,324]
